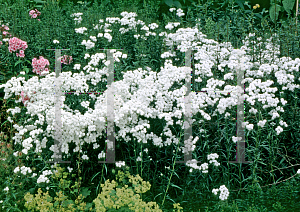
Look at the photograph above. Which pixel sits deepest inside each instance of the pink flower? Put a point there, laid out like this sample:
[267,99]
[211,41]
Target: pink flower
[34,15]
[22,94]
[65,59]
[24,99]
[39,65]
[31,12]
[39,20]
[1,43]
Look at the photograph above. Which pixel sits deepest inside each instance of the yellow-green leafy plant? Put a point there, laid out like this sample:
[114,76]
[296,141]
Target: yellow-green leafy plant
[43,201]
[116,197]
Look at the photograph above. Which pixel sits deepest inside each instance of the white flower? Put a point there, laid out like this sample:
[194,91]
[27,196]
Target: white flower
[249,127]
[77,66]
[55,41]
[17,169]
[101,155]
[179,12]
[70,169]
[108,37]
[235,139]
[93,38]
[6,189]
[120,164]
[85,157]
[279,130]
[172,9]
[215,191]
[16,154]
[80,30]
[212,156]
[153,26]
[262,123]
[169,26]
[298,172]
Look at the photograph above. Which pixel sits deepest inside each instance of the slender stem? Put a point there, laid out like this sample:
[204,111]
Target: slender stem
[172,171]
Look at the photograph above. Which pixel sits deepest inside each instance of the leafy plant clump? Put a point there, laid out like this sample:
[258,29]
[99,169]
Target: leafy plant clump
[114,196]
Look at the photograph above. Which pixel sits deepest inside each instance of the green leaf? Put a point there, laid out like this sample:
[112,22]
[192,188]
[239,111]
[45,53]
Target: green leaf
[177,4]
[241,4]
[20,61]
[258,15]
[176,186]
[26,70]
[288,5]
[85,192]
[274,14]
[169,3]
[40,1]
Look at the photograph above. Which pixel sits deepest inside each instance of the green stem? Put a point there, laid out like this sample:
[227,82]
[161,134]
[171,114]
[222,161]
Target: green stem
[172,171]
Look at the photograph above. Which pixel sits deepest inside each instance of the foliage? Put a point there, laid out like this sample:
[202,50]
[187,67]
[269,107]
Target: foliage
[224,21]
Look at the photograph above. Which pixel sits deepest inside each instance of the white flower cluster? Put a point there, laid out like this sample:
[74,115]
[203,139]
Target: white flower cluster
[179,12]
[224,192]
[171,25]
[120,164]
[85,157]
[193,163]
[101,155]
[70,169]
[236,139]
[140,87]
[89,44]
[23,169]
[262,123]
[43,178]
[212,158]
[78,17]
[80,30]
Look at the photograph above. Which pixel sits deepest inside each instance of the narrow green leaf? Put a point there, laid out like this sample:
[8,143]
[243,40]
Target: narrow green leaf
[176,186]
[274,14]
[20,61]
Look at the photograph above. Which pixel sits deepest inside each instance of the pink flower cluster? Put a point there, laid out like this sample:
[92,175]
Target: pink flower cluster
[25,98]
[3,29]
[17,44]
[65,59]
[39,66]
[34,13]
